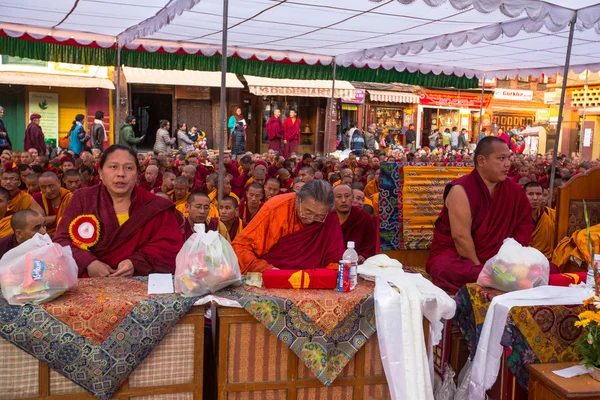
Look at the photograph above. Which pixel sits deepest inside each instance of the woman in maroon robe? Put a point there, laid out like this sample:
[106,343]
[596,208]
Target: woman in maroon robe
[117,228]
[275,131]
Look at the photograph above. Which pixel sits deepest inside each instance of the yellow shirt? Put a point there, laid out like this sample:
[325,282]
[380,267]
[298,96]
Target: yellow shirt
[122,218]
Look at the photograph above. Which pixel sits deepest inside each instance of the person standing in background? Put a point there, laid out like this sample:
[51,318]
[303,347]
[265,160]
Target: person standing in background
[233,120]
[126,134]
[411,138]
[184,142]
[164,141]
[454,138]
[291,134]
[482,135]
[5,143]
[370,137]
[97,131]
[34,136]
[275,131]
[78,140]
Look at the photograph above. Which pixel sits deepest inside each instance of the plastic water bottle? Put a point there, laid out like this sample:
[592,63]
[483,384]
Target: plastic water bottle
[589,282]
[351,255]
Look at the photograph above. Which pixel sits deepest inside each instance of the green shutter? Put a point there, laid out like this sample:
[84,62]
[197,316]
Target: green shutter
[12,99]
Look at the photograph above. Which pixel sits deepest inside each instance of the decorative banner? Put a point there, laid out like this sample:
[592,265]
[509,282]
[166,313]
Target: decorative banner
[454,99]
[23,61]
[513,94]
[46,104]
[359,97]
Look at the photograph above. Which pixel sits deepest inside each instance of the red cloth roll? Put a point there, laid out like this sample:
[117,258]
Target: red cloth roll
[567,279]
[322,278]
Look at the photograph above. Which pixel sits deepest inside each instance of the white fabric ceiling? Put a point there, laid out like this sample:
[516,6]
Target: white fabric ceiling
[464,37]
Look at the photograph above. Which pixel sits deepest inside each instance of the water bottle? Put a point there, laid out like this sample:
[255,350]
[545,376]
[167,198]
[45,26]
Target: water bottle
[589,282]
[351,255]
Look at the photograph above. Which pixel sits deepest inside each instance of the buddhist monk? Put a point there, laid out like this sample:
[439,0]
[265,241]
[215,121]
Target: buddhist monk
[275,131]
[152,179]
[480,210]
[298,183]
[5,213]
[72,180]
[168,183]
[357,225]
[117,228]
[25,224]
[198,208]
[180,194]
[253,202]
[260,175]
[32,183]
[53,199]
[229,216]
[293,231]
[358,198]
[306,174]
[19,199]
[347,176]
[271,188]
[285,182]
[544,220]
[189,171]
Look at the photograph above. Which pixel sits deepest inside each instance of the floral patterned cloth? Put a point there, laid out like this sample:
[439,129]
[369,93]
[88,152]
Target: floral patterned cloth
[325,328]
[535,334]
[97,360]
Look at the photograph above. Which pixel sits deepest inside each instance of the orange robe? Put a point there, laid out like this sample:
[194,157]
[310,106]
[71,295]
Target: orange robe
[371,188]
[65,199]
[576,248]
[275,220]
[22,201]
[180,205]
[543,233]
[5,228]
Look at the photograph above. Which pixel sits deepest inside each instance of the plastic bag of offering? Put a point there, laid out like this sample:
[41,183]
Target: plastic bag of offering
[205,264]
[515,268]
[37,271]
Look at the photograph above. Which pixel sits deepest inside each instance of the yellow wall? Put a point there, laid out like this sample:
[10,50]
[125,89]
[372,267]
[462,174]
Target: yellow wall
[71,101]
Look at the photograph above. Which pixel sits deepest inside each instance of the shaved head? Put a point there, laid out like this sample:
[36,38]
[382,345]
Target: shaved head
[50,175]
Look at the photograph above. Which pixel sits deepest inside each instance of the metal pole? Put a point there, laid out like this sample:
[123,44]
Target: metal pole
[118,96]
[582,130]
[331,108]
[561,108]
[222,111]
[481,106]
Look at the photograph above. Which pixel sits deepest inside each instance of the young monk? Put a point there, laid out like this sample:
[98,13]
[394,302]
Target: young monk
[253,202]
[25,224]
[229,213]
[180,194]
[32,184]
[480,210]
[72,180]
[53,198]
[271,188]
[544,219]
[137,233]
[19,200]
[198,207]
[285,181]
[5,213]
[168,183]
[357,225]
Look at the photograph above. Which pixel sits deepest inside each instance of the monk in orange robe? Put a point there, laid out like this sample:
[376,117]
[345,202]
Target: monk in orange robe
[19,199]
[544,220]
[53,198]
[480,210]
[5,214]
[229,216]
[180,194]
[293,231]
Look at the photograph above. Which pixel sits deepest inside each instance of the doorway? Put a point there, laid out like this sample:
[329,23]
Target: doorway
[198,113]
[149,109]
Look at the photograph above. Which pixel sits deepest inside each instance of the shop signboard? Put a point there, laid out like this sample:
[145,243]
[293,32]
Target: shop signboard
[300,91]
[513,94]
[453,99]
[359,97]
[46,104]
[23,61]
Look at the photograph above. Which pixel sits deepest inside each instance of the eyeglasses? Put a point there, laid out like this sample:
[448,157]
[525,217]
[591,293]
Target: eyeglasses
[310,216]
[10,179]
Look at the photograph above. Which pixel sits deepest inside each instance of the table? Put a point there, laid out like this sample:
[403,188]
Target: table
[536,334]
[545,385]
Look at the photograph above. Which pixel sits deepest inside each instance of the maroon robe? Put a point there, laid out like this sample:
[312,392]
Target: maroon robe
[150,238]
[359,228]
[291,133]
[245,214]
[7,243]
[144,184]
[233,231]
[34,139]
[275,133]
[314,246]
[213,225]
[505,215]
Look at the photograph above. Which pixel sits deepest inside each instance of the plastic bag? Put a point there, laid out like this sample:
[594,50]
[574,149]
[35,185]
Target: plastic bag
[448,388]
[515,268]
[37,271]
[205,264]
[464,377]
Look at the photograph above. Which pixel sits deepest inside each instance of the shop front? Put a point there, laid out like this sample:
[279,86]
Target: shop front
[445,110]
[310,99]
[392,111]
[353,110]
[512,108]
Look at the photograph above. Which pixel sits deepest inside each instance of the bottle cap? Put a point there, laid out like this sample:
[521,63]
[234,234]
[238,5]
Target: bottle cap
[350,245]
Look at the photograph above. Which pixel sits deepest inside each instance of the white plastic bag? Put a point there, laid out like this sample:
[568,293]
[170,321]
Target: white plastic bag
[515,268]
[448,388]
[205,264]
[37,271]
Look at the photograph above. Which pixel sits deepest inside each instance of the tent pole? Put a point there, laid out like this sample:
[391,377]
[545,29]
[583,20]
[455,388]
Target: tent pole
[222,116]
[118,96]
[481,106]
[561,108]
[582,130]
[330,119]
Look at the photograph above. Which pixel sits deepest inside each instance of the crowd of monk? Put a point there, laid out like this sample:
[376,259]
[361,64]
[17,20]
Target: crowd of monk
[277,212]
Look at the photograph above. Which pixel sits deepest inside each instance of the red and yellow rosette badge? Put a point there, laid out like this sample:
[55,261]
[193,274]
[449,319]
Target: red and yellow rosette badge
[85,231]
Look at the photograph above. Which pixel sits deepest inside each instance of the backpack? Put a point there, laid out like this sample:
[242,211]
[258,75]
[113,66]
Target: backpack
[63,142]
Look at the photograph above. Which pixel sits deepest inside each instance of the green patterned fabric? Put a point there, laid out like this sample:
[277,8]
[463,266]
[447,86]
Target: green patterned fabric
[108,57]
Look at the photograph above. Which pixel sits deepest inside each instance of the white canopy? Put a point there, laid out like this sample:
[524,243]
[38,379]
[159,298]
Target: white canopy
[182,78]
[461,37]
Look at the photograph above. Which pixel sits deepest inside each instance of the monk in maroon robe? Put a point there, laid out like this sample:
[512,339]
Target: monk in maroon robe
[291,134]
[481,209]
[151,179]
[275,131]
[357,225]
[117,228]
[198,208]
